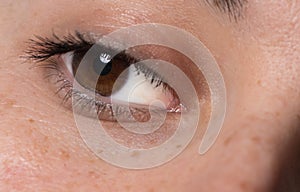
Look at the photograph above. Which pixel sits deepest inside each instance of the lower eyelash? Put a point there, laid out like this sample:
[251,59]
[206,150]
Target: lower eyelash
[87,104]
[42,52]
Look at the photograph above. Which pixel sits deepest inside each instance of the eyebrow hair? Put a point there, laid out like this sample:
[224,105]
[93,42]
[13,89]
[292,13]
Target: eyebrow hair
[233,8]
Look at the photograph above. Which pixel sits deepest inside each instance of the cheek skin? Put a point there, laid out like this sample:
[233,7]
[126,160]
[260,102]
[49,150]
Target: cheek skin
[279,44]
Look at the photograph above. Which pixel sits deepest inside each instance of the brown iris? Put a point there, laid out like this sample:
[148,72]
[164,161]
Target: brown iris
[101,76]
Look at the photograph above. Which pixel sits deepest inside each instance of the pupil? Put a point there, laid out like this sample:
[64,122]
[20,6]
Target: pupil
[98,67]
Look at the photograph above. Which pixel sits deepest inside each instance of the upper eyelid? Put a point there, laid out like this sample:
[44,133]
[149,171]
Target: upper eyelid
[43,48]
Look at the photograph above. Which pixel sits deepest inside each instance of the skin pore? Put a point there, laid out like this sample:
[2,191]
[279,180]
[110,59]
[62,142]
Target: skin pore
[257,149]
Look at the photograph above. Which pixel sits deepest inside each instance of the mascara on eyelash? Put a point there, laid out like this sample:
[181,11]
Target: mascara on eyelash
[43,48]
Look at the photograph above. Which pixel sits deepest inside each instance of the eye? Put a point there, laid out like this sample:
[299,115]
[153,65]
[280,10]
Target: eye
[120,81]
[114,79]
[120,78]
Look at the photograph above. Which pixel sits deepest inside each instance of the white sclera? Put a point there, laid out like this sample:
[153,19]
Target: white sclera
[141,91]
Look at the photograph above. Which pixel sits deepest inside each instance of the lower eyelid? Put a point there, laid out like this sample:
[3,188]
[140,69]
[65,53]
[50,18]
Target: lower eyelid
[64,84]
[132,140]
[63,81]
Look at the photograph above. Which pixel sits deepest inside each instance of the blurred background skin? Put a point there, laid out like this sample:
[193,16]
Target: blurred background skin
[259,55]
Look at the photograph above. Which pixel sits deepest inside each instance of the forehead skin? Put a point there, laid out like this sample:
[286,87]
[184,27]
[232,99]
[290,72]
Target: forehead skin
[40,148]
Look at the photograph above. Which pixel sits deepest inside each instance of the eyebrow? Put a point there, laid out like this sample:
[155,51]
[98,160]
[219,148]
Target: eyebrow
[233,8]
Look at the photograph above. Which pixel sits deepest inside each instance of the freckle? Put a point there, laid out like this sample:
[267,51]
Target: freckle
[227,141]
[64,154]
[277,114]
[10,103]
[128,187]
[135,154]
[192,169]
[92,174]
[153,141]
[259,82]
[31,120]
[44,150]
[178,146]
[243,186]
[255,139]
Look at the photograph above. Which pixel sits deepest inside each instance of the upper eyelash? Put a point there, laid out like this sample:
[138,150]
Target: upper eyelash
[149,74]
[42,48]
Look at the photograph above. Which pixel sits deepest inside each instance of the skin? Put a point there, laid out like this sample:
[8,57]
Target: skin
[257,149]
